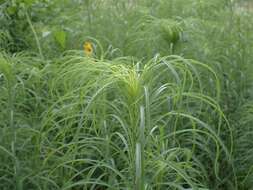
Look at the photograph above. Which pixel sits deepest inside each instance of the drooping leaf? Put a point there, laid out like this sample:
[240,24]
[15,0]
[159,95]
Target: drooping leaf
[60,37]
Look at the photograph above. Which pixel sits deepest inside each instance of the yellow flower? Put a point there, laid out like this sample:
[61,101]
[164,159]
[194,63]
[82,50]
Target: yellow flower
[88,49]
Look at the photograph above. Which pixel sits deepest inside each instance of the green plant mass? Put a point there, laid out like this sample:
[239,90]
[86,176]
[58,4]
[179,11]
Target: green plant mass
[126,95]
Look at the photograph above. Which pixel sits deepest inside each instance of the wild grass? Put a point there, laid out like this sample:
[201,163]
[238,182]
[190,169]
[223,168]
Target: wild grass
[114,124]
[164,102]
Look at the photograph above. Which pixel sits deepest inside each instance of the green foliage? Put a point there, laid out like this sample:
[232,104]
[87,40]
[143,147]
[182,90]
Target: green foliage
[244,148]
[60,37]
[164,101]
[110,123]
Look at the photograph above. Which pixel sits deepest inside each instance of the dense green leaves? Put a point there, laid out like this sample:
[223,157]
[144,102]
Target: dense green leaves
[163,101]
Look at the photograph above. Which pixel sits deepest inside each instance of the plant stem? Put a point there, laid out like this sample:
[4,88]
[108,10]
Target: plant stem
[35,34]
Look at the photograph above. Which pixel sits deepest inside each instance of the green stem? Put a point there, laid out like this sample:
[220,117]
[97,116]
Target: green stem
[139,153]
[35,34]
[89,16]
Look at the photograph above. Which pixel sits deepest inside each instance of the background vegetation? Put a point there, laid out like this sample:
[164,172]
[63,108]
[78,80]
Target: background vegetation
[163,101]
